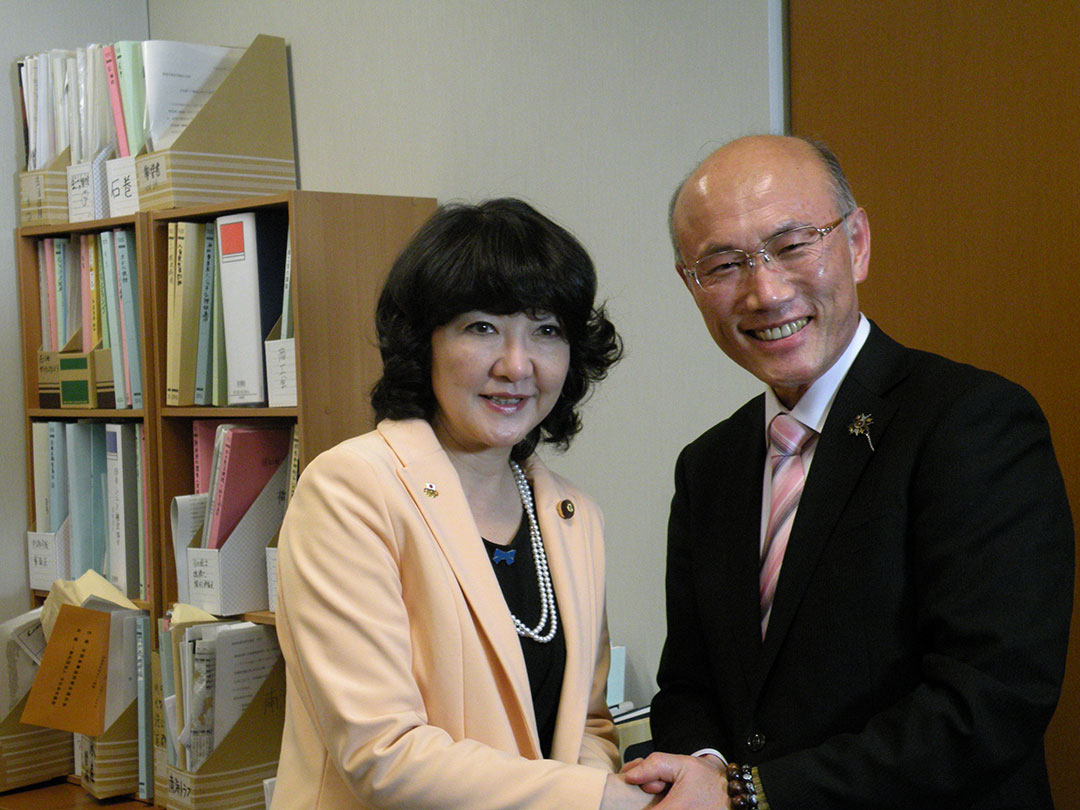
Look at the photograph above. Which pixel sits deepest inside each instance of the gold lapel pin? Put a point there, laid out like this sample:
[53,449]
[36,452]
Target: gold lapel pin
[431,491]
[860,426]
[566,509]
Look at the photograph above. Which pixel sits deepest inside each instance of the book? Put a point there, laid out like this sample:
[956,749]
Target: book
[252,252]
[58,476]
[123,495]
[145,553]
[115,100]
[128,286]
[86,318]
[113,316]
[97,322]
[39,440]
[203,434]
[184,328]
[144,697]
[219,379]
[85,467]
[172,334]
[204,354]
[47,261]
[246,458]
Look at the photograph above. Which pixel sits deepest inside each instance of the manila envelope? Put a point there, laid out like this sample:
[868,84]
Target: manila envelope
[68,692]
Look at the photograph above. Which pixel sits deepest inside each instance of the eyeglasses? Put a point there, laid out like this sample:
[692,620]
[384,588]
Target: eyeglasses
[793,251]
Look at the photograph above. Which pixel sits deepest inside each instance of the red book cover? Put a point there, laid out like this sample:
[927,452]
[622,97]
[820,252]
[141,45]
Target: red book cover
[249,458]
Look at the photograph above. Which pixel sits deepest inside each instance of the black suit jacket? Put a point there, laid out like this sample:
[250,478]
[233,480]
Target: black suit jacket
[917,640]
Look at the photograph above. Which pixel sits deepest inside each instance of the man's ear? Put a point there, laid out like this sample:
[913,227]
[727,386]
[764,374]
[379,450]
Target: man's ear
[685,279]
[858,228]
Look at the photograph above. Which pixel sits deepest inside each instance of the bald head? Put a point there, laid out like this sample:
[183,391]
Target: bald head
[734,164]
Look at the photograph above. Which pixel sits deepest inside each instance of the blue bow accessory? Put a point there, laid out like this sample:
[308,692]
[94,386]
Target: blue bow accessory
[503,555]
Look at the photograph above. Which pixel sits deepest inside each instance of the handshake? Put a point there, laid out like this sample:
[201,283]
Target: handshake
[678,782]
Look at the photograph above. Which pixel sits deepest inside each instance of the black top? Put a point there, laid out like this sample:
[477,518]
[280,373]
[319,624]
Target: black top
[545,663]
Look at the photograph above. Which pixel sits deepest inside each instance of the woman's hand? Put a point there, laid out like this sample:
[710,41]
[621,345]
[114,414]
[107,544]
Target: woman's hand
[619,795]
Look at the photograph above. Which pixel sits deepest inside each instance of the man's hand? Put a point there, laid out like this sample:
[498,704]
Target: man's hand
[693,783]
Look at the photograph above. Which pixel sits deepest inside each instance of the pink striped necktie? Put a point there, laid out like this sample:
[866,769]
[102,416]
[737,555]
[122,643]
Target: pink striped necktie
[787,438]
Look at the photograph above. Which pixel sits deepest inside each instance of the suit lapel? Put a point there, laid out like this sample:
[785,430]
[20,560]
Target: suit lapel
[573,579]
[842,454]
[433,483]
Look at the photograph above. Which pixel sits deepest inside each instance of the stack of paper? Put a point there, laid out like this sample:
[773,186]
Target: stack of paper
[211,671]
[124,98]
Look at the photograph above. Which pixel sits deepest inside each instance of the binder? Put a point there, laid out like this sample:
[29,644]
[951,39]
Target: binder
[239,144]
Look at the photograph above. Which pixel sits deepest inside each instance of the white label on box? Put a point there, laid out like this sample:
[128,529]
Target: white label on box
[281,373]
[271,577]
[123,188]
[180,788]
[80,193]
[47,556]
[204,579]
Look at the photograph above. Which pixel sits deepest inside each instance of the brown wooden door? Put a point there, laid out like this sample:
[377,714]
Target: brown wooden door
[959,127]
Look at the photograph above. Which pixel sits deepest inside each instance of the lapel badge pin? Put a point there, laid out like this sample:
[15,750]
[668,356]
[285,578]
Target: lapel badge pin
[566,509]
[860,426]
[431,491]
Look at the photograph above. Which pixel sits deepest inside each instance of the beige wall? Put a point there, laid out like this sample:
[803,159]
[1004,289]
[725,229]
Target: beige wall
[30,27]
[590,110]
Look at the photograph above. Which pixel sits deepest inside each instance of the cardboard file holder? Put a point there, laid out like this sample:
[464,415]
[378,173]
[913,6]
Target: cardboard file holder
[280,371]
[109,763]
[239,144]
[43,198]
[230,580]
[161,756]
[32,754]
[83,379]
[233,774]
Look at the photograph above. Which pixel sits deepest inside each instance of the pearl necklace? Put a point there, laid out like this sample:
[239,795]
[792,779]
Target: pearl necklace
[543,576]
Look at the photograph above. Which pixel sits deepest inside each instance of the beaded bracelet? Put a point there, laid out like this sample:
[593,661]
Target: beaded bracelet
[744,787]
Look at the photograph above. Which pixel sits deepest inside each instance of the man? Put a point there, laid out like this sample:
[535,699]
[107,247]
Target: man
[880,620]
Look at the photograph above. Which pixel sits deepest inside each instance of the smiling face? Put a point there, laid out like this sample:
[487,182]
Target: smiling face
[495,378]
[786,329]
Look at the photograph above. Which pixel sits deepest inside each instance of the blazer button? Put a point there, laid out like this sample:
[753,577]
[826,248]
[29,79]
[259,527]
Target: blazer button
[566,509]
[755,742]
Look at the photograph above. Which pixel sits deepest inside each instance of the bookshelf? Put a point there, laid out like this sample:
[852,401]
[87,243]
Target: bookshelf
[342,246]
[27,240]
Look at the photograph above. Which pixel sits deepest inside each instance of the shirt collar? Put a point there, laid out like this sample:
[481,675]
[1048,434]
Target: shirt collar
[813,407]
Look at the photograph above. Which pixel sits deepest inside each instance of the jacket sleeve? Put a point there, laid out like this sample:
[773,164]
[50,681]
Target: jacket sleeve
[684,712]
[599,745]
[345,635]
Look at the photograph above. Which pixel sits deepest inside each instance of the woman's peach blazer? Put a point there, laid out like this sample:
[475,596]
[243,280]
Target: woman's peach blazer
[406,683]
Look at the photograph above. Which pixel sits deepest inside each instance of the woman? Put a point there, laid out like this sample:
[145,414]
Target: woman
[441,593]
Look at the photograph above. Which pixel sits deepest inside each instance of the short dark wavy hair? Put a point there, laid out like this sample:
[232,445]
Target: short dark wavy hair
[500,256]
